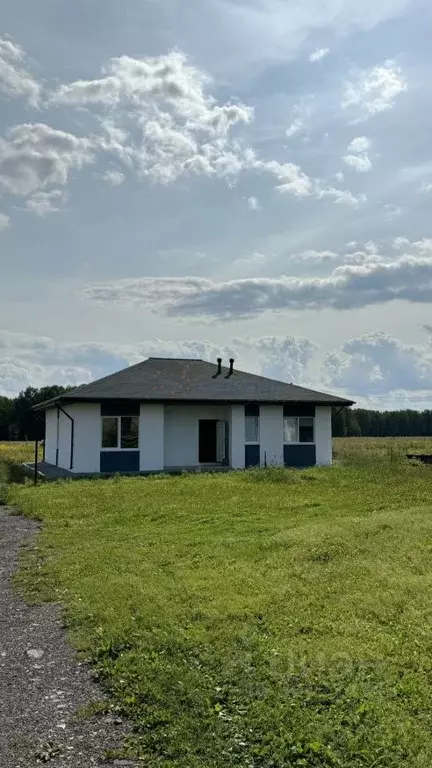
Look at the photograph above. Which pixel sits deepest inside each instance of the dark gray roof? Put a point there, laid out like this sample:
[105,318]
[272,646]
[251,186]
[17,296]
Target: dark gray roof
[163,379]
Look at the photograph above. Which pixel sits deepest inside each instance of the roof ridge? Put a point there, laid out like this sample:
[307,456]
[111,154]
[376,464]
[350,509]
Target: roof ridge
[182,359]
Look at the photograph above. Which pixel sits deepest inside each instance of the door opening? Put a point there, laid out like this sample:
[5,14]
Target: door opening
[208,441]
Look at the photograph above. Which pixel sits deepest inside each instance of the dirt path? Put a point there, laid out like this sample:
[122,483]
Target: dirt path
[41,683]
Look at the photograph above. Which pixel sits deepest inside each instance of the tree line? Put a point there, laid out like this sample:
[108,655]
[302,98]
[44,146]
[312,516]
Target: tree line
[17,419]
[360,422]
[19,422]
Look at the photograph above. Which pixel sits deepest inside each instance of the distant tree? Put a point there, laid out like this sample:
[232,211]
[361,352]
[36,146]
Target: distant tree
[6,405]
[352,425]
[25,423]
[363,420]
[339,423]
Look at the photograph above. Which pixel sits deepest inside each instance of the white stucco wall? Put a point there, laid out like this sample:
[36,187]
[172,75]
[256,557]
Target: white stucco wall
[271,435]
[181,432]
[323,435]
[151,438]
[237,437]
[50,435]
[64,441]
[88,436]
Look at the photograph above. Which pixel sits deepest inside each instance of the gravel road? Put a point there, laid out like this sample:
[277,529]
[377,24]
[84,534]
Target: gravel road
[42,685]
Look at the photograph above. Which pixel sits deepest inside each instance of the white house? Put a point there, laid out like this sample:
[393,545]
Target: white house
[166,414]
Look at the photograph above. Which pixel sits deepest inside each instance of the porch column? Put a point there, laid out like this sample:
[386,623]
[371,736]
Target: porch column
[237,437]
[271,436]
[323,435]
[151,438]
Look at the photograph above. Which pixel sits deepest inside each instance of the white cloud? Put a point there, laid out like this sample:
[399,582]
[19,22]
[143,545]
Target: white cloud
[182,128]
[319,54]
[116,178]
[426,188]
[35,156]
[360,144]
[367,256]
[253,204]
[375,90]
[291,178]
[371,248]
[297,126]
[4,221]
[360,161]
[157,118]
[318,257]
[168,80]
[376,364]
[15,81]
[378,281]
[301,114]
[286,358]
[42,203]
[341,196]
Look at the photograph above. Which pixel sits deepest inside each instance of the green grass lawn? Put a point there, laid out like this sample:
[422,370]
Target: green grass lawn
[262,619]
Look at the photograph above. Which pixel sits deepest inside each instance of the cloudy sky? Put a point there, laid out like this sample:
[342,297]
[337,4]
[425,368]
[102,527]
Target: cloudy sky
[246,177]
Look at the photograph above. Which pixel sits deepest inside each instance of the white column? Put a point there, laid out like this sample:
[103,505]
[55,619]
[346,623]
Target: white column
[64,441]
[237,437]
[271,435]
[50,435]
[151,438]
[87,436]
[323,435]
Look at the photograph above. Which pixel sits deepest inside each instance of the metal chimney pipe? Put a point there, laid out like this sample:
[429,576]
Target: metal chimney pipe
[231,366]
[219,362]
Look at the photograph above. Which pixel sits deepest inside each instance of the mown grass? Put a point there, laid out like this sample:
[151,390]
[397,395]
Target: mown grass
[265,619]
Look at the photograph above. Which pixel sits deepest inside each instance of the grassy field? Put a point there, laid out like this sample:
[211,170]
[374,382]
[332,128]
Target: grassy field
[264,619]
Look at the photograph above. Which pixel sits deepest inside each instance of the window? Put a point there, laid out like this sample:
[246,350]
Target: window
[306,429]
[120,432]
[299,429]
[109,432]
[252,424]
[290,430]
[129,431]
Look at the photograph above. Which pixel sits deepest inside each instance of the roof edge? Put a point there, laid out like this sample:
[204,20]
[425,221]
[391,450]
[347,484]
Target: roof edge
[47,403]
[338,402]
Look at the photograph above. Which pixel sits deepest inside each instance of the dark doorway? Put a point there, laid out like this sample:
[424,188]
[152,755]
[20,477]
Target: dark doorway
[208,441]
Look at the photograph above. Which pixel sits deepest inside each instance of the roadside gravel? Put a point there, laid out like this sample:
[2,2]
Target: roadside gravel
[42,685]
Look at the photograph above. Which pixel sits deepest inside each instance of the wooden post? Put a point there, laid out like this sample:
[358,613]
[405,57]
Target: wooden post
[36,462]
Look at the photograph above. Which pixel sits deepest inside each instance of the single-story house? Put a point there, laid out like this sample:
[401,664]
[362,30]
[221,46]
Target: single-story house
[166,415]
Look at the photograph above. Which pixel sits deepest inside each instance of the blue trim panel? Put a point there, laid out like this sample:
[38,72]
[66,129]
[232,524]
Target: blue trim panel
[299,455]
[120,461]
[252,456]
[120,408]
[299,410]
